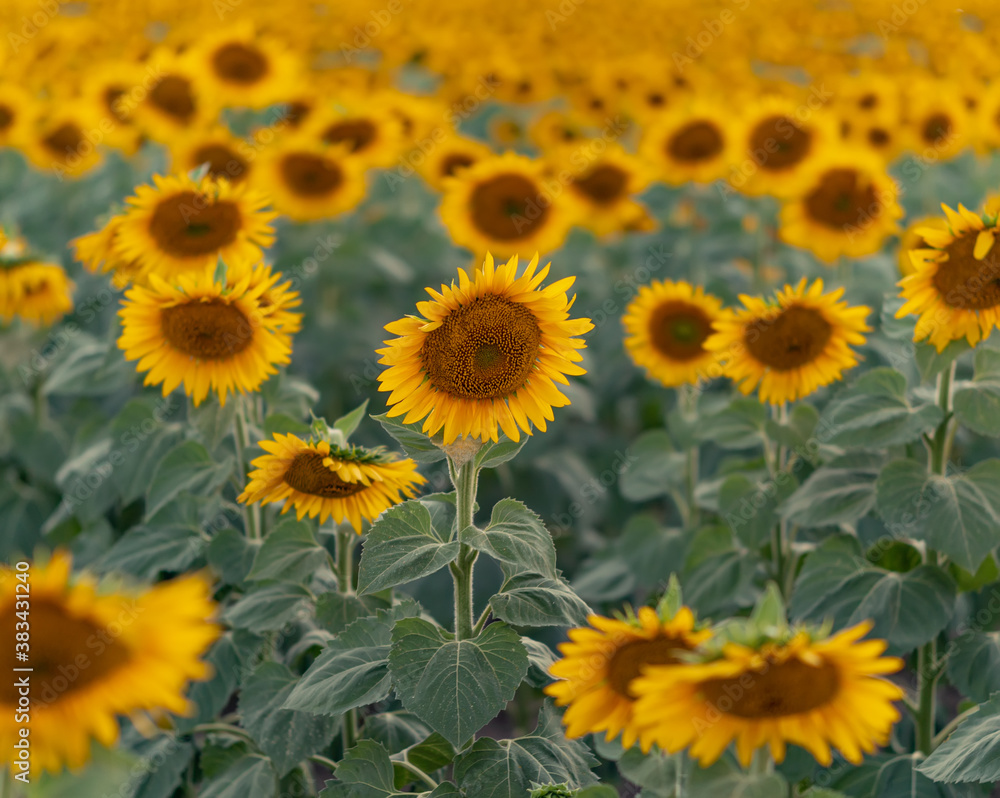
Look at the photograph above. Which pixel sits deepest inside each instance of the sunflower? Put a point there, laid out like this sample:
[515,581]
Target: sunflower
[881,137]
[17,114]
[554,130]
[601,661]
[485,354]
[370,131]
[504,204]
[206,334]
[848,207]
[666,327]
[172,103]
[937,124]
[690,142]
[65,140]
[791,346]
[808,690]
[449,157]
[113,89]
[316,478]
[986,120]
[227,156]
[911,239]
[954,288]
[96,655]
[506,130]
[310,180]
[181,226]
[37,292]
[604,188]
[239,67]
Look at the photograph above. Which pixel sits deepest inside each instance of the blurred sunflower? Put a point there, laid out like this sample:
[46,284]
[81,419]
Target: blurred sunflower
[808,690]
[318,479]
[17,114]
[955,285]
[692,142]
[449,157]
[39,293]
[791,346]
[172,103]
[937,123]
[205,334]
[502,205]
[600,663]
[227,156]
[554,130]
[911,240]
[64,139]
[666,327]
[604,189]
[112,87]
[369,131]
[485,354]
[142,647]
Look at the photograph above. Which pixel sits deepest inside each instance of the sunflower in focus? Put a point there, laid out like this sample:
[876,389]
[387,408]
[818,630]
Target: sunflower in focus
[39,293]
[17,114]
[205,334]
[503,205]
[449,157]
[309,180]
[692,142]
[142,647]
[604,189]
[666,327]
[227,156]
[319,479]
[911,240]
[789,347]
[954,287]
[485,354]
[808,690]
[600,663]
[848,206]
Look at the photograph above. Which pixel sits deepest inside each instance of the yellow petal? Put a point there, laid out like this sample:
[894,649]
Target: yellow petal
[984,243]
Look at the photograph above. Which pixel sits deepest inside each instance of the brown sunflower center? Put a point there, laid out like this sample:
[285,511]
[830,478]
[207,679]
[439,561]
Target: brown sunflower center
[67,652]
[358,133]
[778,143]
[788,688]
[6,117]
[627,662]
[966,283]
[878,137]
[796,336]
[65,139]
[504,207]
[842,200]
[189,225]
[678,330]
[483,350]
[222,161]
[868,101]
[311,175]
[936,128]
[239,63]
[603,185]
[451,164]
[112,95]
[696,141]
[212,330]
[307,474]
[295,112]
[173,96]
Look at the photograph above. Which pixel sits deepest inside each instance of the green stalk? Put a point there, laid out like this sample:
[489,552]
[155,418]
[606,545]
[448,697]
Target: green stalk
[688,399]
[780,545]
[345,586]
[241,436]
[465,479]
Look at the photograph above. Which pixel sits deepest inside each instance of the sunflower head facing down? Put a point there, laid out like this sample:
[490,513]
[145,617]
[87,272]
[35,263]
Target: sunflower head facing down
[318,478]
[208,335]
[799,687]
[955,286]
[601,661]
[484,354]
[134,650]
[666,327]
[789,347]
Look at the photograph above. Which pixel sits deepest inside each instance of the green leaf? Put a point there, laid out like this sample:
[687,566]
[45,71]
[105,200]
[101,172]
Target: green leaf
[279,422]
[92,368]
[418,446]
[656,466]
[751,509]
[163,765]
[395,730]
[455,686]
[977,403]
[972,752]
[349,422]
[800,427]
[492,454]
[722,583]
[535,600]
[403,545]
[724,780]
[143,436]
[353,671]
[188,467]
[289,552]
[365,772]
[250,775]
[655,772]
[287,737]
[213,422]
[432,753]
[148,550]
[336,611]
[973,662]
[268,607]
[232,555]
[209,697]
[739,426]
[958,515]
[504,768]
[516,538]
[930,362]
[840,492]
[874,413]
[825,569]
[540,659]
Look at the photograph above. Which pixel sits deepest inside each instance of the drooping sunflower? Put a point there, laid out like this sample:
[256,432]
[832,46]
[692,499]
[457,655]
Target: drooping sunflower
[690,142]
[485,354]
[18,110]
[808,690]
[182,226]
[604,190]
[319,479]
[370,131]
[503,205]
[848,206]
[309,180]
[205,334]
[791,346]
[227,156]
[39,293]
[911,240]
[666,327]
[449,157]
[954,286]
[599,664]
[133,652]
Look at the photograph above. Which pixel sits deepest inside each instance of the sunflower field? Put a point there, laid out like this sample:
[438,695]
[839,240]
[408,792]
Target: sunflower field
[549,399]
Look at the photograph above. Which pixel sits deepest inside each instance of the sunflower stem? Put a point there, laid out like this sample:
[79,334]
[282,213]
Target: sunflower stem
[679,775]
[761,764]
[241,437]
[345,586]
[224,728]
[688,399]
[780,544]
[465,479]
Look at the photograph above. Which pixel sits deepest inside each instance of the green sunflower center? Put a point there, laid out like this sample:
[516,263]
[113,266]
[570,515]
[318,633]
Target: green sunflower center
[483,350]
[778,143]
[696,141]
[678,330]
[507,207]
[311,175]
[307,474]
[239,63]
[791,339]
[842,200]
[966,283]
[190,225]
[627,662]
[788,688]
[212,330]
